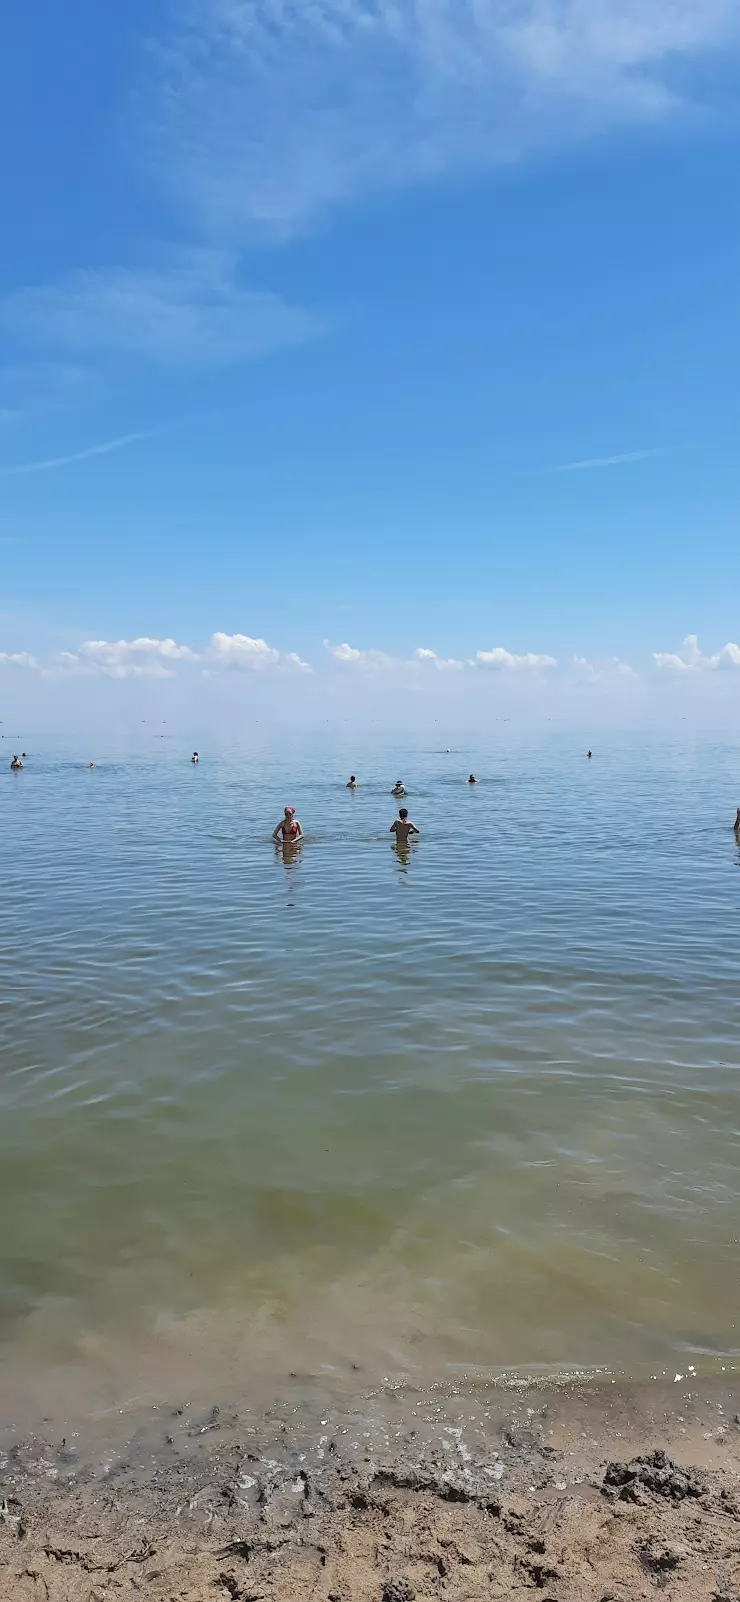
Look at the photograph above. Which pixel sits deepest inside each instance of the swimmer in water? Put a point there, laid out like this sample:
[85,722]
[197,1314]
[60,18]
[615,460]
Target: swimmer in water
[589,754]
[472,779]
[195,757]
[398,788]
[403,827]
[288,831]
[351,782]
[736,824]
[16,765]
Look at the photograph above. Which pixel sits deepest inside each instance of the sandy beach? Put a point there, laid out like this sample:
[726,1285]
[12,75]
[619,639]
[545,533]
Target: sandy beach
[592,1490]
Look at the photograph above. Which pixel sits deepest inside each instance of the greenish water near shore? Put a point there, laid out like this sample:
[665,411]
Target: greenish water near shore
[469,1107]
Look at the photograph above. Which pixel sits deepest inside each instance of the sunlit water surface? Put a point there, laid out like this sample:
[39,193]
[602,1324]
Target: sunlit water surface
[469,1107]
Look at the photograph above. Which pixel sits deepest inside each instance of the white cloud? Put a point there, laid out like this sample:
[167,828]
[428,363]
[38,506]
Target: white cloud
[195,311]
[691,659]
[509,661]
[263,114]
[608,461]
[241,651]
[142,657]
[18,659]
[44,466]
[143,645]
[344,653]
[351,656]
[423,654]
[148,657]
[364,659]
[609,667]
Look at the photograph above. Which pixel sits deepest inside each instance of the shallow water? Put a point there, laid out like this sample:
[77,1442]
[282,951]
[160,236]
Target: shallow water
[469,1107]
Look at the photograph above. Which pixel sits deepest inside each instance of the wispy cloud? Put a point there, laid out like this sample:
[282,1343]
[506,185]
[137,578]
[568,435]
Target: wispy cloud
[690,659]
[196,311]
[263,115]
[47,464]
[28,387]
[608,461]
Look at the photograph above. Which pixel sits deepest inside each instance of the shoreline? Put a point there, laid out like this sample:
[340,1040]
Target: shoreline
[482,1491]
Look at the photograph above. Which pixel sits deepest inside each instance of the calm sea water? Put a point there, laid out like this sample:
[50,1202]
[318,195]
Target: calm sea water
[471,1107]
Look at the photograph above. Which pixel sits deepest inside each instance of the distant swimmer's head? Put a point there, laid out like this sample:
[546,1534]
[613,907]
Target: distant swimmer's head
[472,779]
[589,753]
[352,779]
[403,812]
[91,764]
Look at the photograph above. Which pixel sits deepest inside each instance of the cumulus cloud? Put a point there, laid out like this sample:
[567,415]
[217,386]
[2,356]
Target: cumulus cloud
[423,654]
[690,659]
[124,659]
[18,659]
[608,667]
[142,657]
[148,657]
[241,651]
[263,115]
[143,645]
[350,654]
[344,653]
[510,661]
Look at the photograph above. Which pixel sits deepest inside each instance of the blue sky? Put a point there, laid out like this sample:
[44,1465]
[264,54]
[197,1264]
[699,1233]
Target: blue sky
[399,329]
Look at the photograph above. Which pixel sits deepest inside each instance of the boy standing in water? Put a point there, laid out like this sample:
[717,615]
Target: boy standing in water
[403,827]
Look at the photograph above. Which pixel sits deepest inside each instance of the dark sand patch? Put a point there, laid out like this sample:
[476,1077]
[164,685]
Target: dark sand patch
[401,1496]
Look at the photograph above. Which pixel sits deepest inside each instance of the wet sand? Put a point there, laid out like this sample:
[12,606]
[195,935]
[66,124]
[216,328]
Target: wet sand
[593,1490]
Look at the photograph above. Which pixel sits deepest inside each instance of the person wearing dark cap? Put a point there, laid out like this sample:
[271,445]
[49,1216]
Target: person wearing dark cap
[403,827]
